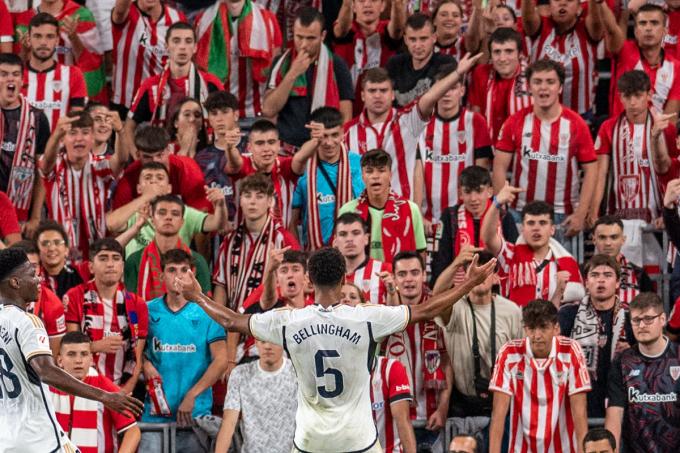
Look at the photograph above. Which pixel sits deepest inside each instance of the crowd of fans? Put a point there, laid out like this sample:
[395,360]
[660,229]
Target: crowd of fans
[142,141]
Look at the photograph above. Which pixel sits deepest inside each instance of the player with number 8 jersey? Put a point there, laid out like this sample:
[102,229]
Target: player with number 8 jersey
[332,347]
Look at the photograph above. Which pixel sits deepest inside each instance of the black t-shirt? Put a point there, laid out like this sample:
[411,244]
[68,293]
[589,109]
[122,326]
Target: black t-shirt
[648,388]
[597,396]
[212,161]
[64,280]
[296,112]
[410,83]
[9,140]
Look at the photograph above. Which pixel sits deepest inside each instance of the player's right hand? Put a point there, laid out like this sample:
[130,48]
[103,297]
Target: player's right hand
[123,403]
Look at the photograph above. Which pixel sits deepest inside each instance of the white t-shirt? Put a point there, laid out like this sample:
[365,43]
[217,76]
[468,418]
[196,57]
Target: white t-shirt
[27,420]
[332,350]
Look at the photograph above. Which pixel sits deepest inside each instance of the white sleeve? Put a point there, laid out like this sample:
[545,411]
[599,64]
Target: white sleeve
[268,326]
[412,122]
[33,339]
[384,320]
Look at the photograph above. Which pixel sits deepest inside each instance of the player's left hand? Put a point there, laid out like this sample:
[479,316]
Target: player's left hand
[122,403]
[184,411]
[477,274]
[436,421]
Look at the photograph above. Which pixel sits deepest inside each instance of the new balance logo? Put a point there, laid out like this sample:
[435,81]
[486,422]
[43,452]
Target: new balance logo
[634,373]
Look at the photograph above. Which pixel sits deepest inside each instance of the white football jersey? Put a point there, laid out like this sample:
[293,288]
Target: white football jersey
[332,350]
[27,419]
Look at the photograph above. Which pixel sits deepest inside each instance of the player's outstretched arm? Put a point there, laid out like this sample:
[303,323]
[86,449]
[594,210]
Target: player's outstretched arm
[441,302]
[227,318]
[56,377]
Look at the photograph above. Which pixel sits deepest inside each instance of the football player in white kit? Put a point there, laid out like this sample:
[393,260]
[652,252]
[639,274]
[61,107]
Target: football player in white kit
[332,347]
[27,420]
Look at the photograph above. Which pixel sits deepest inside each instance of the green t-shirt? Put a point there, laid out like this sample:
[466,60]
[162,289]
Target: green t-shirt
[193,224]
[376,227]
[132,263]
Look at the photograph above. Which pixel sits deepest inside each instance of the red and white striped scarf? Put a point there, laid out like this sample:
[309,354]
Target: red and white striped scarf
[81,418]
[77,199]
[396,224]
[343,194]
[523,279]
[22,175]
[630,286]
[635,187]
[518,96]
[325,91]
[665,78]
[194,86]
[101,318]
[150,284]
[245,263]
[418,349]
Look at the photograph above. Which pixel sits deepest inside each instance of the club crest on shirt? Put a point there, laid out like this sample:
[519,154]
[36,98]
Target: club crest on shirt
[564,139]
[56,85]
[675,372]
[629,186]
[461,137]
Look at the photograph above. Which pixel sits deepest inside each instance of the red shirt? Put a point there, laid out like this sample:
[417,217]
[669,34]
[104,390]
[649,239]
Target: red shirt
[9,224]
[186,179]
[665,77]
[671,38]
[389,384]
[547,157]
[540,413]
[50,309]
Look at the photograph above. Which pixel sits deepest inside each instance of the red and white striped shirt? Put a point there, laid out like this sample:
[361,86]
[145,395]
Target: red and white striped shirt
[398,135]
[547,157]
[498,98]
[367,278]
[446,147]
[635,190]
[665,77]
[77,199]
[92,427]
[577,53]
[55,91]
[139,50]
[389,384]
[540,413]
[525,279]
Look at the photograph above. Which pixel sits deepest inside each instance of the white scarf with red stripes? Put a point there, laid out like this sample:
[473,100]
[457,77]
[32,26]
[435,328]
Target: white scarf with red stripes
[625,152]
[665,77]
[343,194]
[22,175]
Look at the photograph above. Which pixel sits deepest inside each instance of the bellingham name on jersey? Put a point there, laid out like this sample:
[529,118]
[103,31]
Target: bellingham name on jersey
[326,329]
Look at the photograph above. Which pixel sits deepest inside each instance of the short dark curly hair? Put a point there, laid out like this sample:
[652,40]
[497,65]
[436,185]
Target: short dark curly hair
[327,267]
[539,313]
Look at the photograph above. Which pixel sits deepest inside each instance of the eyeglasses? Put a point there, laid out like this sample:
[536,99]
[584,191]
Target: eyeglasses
[647,320]
[56,242]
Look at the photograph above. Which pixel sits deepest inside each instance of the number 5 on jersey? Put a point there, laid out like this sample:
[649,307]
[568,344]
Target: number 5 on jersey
[321,371]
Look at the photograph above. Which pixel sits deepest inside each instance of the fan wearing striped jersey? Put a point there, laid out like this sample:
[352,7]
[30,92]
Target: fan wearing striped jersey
[50,86]
[27,417]
[327,342]
[372,276]
[542,380]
